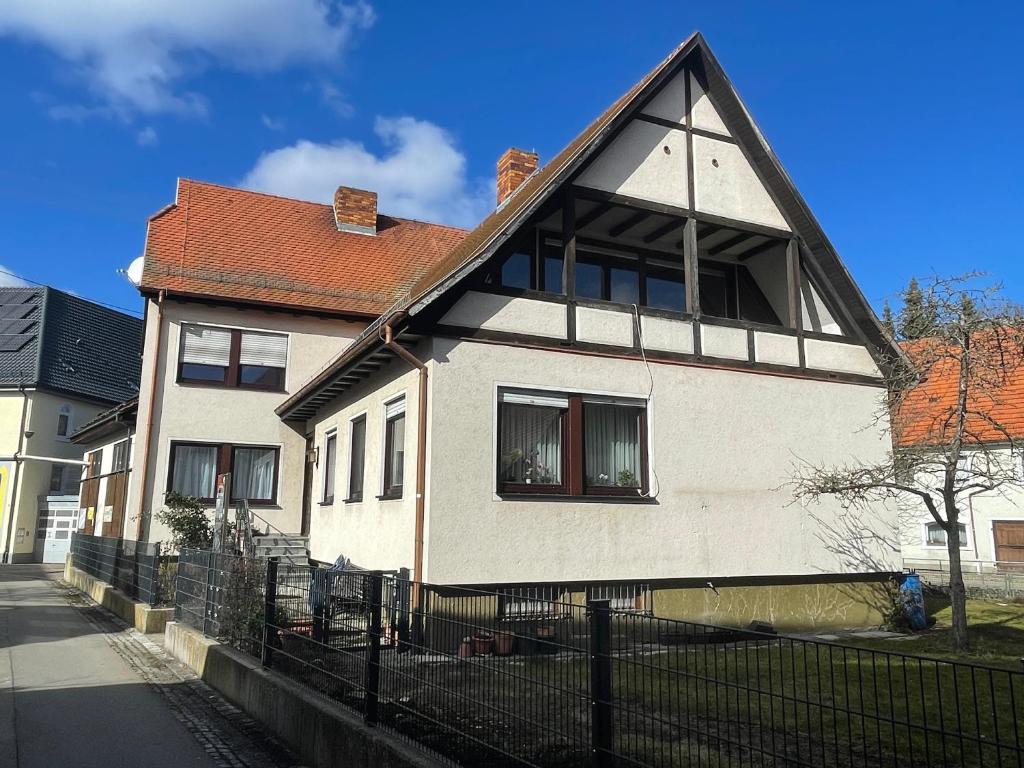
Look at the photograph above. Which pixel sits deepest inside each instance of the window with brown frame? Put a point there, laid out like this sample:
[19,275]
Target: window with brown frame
[227,357]
[394,449]
[357,458]
[193,469]
[571,444]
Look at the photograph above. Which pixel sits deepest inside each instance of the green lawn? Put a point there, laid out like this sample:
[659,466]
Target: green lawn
[995,629]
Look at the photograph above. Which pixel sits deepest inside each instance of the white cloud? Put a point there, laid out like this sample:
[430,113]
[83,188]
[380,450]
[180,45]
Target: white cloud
[335,100]
[135,55]
[421,174]
[270,123]
[9,279]
[147,137]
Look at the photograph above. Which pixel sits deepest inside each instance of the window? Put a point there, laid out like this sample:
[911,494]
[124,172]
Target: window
[623,597]
[194,468]
[394,448]
[232,358]
[521,269]
[64,421]
[330,451]
[571,444]
[935,535]
[357,459]
[730,291]
[530,602]
[64,479]
[120,460]
[515,272]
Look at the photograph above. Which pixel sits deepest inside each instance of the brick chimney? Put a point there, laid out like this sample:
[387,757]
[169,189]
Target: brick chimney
[514,167]
[355,210]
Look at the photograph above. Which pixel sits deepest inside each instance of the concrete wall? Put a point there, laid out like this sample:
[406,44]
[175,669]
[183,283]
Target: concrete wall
[201,413]
[373,533]
[34,476]
[722,444]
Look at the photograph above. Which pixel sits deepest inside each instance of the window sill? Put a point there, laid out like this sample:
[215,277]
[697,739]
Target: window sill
[353,500]
[591,498]
[389,497]
[219,385]
[325,503]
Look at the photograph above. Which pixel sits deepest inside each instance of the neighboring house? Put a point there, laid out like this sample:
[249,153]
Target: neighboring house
[103,493]
[63,360]
[605,387]
[991,523]
[248,295]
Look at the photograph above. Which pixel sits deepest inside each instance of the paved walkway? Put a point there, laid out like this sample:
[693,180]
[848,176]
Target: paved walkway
[78,688]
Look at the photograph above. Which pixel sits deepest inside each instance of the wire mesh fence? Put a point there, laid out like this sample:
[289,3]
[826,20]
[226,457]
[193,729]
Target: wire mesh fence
[136,568]
[526,676]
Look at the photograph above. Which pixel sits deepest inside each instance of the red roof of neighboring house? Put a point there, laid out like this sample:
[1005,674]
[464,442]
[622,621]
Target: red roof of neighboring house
[925,411]
[251,247]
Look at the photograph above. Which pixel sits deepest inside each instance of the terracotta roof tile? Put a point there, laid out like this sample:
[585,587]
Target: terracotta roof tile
[233,244]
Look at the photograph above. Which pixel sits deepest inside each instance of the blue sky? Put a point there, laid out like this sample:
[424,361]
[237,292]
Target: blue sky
[899,122]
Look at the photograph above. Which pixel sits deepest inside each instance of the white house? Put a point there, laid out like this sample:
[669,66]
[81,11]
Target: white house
[605,386]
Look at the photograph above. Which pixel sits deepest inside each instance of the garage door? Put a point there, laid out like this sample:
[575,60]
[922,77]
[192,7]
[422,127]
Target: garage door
[1009,544]
[53,532]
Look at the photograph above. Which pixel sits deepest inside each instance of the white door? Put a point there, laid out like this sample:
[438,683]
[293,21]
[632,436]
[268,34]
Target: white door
[53,532]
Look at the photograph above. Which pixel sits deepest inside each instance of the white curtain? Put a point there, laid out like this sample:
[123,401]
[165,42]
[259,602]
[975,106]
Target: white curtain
[531,444]
[195,470]
[611,435]
[253,473]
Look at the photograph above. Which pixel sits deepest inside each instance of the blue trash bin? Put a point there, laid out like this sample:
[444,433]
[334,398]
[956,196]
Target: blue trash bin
[912,601]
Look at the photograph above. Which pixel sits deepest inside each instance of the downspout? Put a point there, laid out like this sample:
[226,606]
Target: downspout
[421,456]
[149,412]
[13,516]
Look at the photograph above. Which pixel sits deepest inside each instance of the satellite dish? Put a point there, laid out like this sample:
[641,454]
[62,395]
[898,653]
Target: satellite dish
[134,271]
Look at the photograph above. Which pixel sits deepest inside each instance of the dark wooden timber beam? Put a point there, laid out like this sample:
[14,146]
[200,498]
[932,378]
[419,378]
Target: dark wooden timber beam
[624,226]
[765,246]
[663,230]
[593,215]
[733,241]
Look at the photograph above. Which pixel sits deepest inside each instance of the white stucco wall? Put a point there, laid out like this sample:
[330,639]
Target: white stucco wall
[228,415]
[724,341]
[637,164]
[511,314]
[704,113]
[373,533]
[666,334]
[725,184]
[776,348]
[721,445]
[837,356]
[603,326]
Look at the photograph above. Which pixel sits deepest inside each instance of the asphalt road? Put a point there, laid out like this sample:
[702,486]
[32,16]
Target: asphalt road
[67,698]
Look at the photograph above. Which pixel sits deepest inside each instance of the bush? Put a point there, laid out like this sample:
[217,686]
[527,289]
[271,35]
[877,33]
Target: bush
[186,518]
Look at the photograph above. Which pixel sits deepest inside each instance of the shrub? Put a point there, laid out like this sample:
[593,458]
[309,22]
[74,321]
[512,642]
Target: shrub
[186,518]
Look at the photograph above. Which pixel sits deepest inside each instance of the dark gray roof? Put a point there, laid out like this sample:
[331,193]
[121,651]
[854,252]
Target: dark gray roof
[55,341]
[110,420]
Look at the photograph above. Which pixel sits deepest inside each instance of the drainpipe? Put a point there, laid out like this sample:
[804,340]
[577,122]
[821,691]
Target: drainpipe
[149,411]
[421,455]
[13,516]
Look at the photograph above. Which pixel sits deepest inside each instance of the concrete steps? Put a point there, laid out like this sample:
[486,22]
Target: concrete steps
[288,549]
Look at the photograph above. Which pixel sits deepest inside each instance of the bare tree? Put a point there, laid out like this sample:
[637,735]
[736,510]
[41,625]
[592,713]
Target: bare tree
[959,343]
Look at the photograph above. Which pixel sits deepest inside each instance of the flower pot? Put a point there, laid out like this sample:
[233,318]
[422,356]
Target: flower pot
[482,643]
[465,648]
[504,643]
[545,640]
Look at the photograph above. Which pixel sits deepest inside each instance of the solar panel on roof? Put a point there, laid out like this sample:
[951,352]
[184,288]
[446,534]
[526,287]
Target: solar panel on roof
[15,311]
[15,342]
[17,297]
[9,327]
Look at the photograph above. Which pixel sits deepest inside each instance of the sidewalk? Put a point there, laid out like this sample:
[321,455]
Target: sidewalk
[78,690]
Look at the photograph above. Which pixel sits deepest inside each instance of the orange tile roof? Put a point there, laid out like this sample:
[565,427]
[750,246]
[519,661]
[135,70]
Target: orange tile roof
[925,412]
[250,247]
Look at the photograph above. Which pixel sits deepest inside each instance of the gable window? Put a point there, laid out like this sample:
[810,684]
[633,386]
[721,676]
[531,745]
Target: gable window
[571,444]
[64,421]
[394,448]
[194,468]
[232,358]
[935,535]
[330,451]
[523,270]
[357,459]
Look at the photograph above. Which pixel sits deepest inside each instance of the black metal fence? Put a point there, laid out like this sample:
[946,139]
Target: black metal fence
[137,568]
[518,677]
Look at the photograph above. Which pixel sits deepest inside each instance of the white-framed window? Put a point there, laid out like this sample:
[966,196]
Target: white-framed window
[356,457]
[935,535]
[64,421]
[531,602]
[329,466]
[394,448]
[634,598]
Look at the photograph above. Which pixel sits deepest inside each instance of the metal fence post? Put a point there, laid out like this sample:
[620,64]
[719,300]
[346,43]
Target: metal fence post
[601,737]
[269,613]
[211,564]
[375,600]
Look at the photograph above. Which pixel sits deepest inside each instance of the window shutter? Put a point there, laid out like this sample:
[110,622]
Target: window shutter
[206,346]
[267,349]
[530,398]
[394,408]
